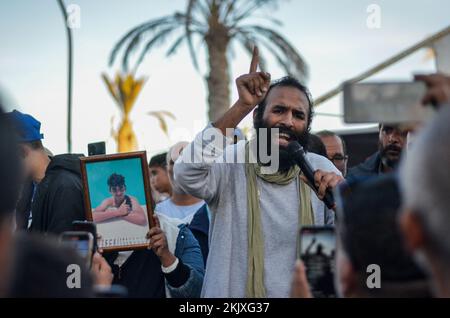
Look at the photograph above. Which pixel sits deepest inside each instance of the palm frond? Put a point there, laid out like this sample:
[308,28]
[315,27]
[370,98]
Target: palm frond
[132,46]
[156,40]
[229,8]
[139,29]
[159,115]
[286,55]
[192,5]
[175,45]
[111,88]
[248,9]
[198,6]
[249,42]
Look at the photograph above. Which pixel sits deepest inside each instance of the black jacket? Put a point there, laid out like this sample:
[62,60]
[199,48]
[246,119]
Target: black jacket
[23,207]
[368,169]
[58,200]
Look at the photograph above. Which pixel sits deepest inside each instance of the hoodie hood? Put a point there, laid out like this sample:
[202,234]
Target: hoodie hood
[68,162]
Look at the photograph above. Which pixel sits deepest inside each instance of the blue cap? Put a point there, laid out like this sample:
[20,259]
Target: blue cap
[28,127]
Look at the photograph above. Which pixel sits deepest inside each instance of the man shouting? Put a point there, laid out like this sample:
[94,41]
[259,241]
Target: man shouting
[255,216]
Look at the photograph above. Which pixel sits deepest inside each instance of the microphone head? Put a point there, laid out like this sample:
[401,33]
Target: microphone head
[294,147]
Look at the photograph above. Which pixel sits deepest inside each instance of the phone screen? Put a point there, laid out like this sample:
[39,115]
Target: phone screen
[82,246]
[317,251]
[86,226]
[82,242]
[385,102]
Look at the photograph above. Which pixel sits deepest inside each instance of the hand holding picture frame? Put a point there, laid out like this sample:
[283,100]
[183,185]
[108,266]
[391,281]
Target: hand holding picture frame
[117,199]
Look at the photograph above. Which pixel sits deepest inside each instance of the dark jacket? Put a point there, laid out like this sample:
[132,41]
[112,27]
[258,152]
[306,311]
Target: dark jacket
[58,200]
[24,206]
[199,226]
[368,169]
[141,273]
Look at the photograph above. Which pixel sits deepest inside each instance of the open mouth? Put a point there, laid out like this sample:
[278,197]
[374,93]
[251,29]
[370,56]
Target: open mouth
[284,138]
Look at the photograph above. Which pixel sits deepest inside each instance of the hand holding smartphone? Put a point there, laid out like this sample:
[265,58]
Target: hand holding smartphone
[86,226]
[317,251]
[82,242]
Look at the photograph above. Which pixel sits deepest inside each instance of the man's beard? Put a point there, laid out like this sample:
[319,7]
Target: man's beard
[285,162]
[385,159]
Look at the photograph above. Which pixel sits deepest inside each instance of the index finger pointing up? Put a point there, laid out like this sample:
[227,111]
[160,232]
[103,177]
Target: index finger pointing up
[255,60]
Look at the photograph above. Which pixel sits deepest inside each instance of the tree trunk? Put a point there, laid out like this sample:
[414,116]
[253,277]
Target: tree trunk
[218,79]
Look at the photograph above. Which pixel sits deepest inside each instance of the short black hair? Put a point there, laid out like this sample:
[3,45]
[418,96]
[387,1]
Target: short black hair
[315,145]
[369,232]
[158,160]
[288,81]
[10,167]
[116,180]
[329,133]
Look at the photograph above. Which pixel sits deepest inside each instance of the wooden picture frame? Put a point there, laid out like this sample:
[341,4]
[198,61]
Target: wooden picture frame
[107,179]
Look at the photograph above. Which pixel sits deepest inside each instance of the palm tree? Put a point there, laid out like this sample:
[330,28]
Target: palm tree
[125,89]
[218,24]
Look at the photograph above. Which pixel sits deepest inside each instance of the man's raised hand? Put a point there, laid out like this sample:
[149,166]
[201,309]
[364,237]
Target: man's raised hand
[253,87]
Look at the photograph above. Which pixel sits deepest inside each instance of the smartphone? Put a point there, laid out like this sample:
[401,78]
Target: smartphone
[86,226]
[82,242]
[385,102]
[317,251]
[96,148]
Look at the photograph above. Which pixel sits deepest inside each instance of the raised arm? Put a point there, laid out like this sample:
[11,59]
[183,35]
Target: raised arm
[252,89]
[195,170]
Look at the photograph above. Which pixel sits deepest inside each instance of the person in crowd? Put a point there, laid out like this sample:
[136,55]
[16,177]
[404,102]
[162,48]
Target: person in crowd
[119,205]
[181,205]
[315,145]
[55,198]
[159,179]
[391,143]
[367,233]
[255,216]
[171,267]
[42,268]
[12,175]
[425,180]
[30,265]
[335,149]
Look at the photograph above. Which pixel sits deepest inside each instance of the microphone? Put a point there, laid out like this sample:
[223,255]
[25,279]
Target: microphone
[297,154]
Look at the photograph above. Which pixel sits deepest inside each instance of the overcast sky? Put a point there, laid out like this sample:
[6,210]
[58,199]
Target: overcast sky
[332,36]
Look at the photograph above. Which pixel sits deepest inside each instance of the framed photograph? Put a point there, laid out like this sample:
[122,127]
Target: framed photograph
[118,200]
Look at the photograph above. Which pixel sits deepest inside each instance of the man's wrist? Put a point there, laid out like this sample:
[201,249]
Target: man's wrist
[243,107]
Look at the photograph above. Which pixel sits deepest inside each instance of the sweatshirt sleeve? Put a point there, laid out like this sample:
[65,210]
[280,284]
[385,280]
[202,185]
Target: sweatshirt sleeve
[67,206]
[198,170]
[187,279]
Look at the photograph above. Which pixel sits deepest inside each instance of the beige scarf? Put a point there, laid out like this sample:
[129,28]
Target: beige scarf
[255,273]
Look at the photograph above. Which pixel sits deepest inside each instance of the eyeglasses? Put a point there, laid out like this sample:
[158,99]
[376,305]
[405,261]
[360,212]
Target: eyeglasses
[338,158]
